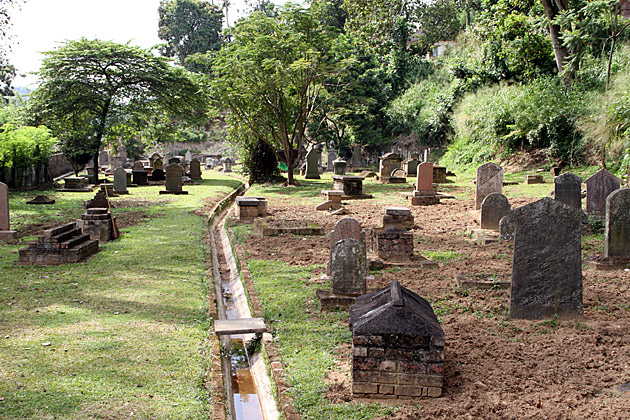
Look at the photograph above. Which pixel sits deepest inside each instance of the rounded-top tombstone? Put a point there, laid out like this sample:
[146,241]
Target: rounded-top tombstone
[568,189]
[120,181]
[617,241]
[348,267]
[424,177]
[493,208]
[173,177]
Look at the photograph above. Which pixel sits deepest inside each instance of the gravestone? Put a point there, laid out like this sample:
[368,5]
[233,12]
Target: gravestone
[138,166]
[506,228]
[411,166]
[188,156]
[424,195]
[6,233]
[389,162]
[174,180]
[195,169]
[568,189]
[157,175]
[357,159]
[400,217]
[489,180]
[344,229]
[547,263]
[157,163]
[493,208]
[312,159]
[120,181]
[103,158]
[332,155]
[617,241]
[227,165]
[598,188]
[175,159]
[348,267]
[209,163]
[339,166]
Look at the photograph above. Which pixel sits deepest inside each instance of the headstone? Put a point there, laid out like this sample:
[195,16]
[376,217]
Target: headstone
[174,180]
[424,178]
[493,208]
[568,189]
[188,156]
[103,158]
[138,166]
[598,188]
[5,228]
[120,181]
[617,241]
[209,163]
[344,229]
[195,169]
[140,177]
[547,264]
[411,167]
[312,159]
[157,175]
[357,159]
[339,166]
[122,153]
[157,163]
[389,162]
[227,165]
[348,267]
[489,180]
[332,155]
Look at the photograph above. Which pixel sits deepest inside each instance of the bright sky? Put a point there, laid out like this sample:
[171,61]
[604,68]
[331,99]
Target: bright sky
[40,25]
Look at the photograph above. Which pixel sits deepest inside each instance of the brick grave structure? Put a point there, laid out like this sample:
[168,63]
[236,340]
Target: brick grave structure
[397,346]
[97,222]
[352,186]
[393,244]
[249,208]
[59,245]
[332,200]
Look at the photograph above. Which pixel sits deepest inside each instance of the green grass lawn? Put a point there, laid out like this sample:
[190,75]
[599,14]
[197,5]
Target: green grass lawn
[121,335]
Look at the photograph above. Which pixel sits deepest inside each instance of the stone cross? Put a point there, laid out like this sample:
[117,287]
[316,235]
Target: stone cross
[493,208]
[173,177]
[489,180]
[312,160]
[617,241]
[120,181]
[348,267]
[598,187]
[5,232]
[547,264]
[568,189]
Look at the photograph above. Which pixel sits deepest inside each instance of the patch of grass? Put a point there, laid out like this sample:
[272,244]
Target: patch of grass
[307,338]
[242,232]
[120,335]
[444,256]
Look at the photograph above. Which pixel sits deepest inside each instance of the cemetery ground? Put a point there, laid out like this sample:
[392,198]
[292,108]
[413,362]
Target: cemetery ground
[127,330]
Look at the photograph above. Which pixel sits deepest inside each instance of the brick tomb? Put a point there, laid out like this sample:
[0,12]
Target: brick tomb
[352,186]
[59,245]
[394,241]
[249,208]
[97,222]
[397,346]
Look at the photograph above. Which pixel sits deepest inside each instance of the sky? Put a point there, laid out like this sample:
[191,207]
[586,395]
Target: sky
[41,25]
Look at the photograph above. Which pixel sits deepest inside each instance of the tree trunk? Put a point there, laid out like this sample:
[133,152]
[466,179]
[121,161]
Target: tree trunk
[95,160]
[559,50]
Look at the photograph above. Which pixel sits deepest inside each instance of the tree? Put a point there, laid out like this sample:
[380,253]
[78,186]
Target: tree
[7,71]
[189,27]
[90,86]
[270,76]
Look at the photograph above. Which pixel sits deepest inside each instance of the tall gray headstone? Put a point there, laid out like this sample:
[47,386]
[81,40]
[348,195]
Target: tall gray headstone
[344,229]
[332,155]
[195,169]
[617,241]
[349,267]
[489,180]
[494,207]
[188,156]
[598,188]
[173,177]
[312,160]
[120,181]
[5,229]
[357,159]
[547,264]
[568,189]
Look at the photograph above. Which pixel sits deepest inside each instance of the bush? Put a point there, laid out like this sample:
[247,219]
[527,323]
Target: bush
[261,163]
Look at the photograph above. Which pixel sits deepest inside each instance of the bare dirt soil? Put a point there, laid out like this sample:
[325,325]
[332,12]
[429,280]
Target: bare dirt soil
[495,368]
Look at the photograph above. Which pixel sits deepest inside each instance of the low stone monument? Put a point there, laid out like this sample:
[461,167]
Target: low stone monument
[568,189]
[424,194]
[617,241]
[120,181]
[489,180]
[158,163]
[547,263]
[411,166]
[249,208]
[598,188]
[157,175]
[60,245]
[493,208]
[339,166]
[397,346]
[195,169]
[389,162]
[352,187]
[139,174]
[534,179]
[40,200]
[332,200]
[97,222]
[6,234]
[174,180]
[312,160]
[399,217]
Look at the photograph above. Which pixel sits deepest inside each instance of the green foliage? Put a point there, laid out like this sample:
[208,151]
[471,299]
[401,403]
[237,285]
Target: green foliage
[21,147]
[260,161]
[189,27]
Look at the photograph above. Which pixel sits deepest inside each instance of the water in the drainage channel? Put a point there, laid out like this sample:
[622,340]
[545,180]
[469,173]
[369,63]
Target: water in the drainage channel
[246,404]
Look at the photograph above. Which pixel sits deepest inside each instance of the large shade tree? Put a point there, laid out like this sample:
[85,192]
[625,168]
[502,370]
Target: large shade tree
[88,87]
[270,77]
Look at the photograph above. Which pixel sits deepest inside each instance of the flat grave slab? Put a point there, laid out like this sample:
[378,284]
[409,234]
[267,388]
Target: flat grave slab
[483,281]
[239,326]
[269,227]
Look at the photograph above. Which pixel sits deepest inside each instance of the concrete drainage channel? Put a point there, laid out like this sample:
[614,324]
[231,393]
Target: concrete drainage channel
[247,385]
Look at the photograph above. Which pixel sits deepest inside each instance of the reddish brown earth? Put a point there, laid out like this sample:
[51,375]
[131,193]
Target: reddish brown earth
[495,368]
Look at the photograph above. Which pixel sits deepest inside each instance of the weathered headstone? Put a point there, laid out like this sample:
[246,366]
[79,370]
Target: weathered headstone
[506,228]
[568,189]
[157,175]
[188,156]
[344,229]
[489,180]
[312,159]
[227,164]
[103,158]
[411,166]
[547,264]
[195,169]
[5,228]
[339,166]
[357,159]
[389,162]
[138,166]
[209,163]
[157,163]
[332,155]
[120,181]
[348,267]
[174,179]
[598,188]
[617,241]
[493,208]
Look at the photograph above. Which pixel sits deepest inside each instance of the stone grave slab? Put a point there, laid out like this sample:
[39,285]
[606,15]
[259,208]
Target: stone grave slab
[617,231]
[41,199]
[270,227]
[482,281]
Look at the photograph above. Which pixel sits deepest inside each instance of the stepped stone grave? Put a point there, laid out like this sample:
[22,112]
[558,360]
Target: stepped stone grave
[312,164]
[534,179]
[59,245]
[97,222]
[489,180]
[547,262]
[99,201]
[399,217]
[6,234]
[617,240]
[332,200]
[120,181]
[397,346]
[598,188]
[174,180]
[157,175]
[339,166]
[352,186]
[410,166]
[424,195]
[249,208]
[388,163]
[41,199]
[493,208]
[195,169]
[568,189]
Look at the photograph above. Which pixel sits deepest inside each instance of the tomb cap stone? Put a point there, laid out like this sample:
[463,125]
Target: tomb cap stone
[396,211]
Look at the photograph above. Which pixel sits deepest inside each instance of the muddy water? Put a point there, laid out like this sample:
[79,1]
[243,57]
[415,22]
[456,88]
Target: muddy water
[246,403]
